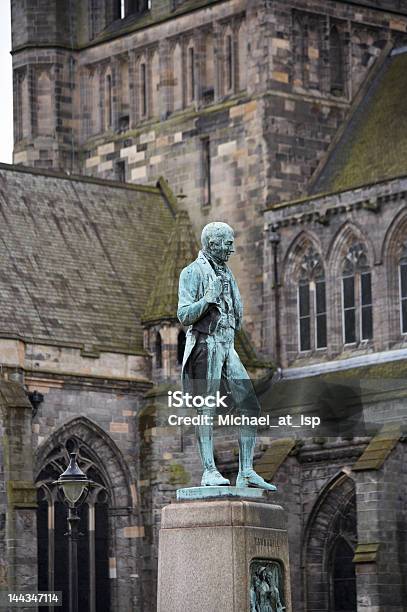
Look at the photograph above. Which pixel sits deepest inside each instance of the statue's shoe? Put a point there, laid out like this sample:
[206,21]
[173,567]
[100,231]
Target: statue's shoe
[213,478]
[249,478]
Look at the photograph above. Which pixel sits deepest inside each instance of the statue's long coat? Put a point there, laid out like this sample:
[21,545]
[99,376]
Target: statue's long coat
[194,311]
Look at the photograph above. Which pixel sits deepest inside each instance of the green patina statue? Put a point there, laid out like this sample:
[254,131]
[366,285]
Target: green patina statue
[211,307]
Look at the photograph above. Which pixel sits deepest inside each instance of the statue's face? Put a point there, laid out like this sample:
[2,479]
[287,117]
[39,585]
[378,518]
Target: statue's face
[221,246]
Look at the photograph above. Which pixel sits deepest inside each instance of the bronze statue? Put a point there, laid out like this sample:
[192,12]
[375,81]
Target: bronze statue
[211,307]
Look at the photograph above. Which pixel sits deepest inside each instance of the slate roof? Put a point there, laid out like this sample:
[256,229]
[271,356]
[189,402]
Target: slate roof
[182,248]
[78,257]
[373,147]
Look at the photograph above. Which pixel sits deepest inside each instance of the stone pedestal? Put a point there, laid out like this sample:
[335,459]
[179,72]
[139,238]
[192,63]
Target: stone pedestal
[219,555]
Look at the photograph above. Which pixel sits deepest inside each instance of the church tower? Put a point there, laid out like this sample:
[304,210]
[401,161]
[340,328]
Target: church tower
[44,37]
[47,39]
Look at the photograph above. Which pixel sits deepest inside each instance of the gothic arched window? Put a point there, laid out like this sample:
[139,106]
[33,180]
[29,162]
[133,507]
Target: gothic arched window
[158,351]
[330,540]
[312,319]
[93,545]
[357,304]
[336,63]
[403,289]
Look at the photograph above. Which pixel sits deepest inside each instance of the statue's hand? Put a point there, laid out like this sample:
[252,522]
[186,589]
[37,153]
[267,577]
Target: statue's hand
[213,291]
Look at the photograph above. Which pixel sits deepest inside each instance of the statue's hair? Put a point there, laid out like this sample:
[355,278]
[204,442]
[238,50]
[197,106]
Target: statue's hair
[212,230]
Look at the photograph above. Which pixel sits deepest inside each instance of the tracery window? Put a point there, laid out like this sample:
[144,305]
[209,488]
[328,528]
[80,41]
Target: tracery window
[93,545]
[403,289]
[312,315]
[357,303]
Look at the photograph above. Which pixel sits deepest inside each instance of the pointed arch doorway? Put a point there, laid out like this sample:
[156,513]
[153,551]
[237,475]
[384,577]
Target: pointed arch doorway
[330,541]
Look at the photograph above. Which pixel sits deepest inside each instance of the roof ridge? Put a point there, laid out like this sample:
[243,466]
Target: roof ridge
[78,177]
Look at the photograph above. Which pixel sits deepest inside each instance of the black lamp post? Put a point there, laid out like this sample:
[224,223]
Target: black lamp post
[73,486]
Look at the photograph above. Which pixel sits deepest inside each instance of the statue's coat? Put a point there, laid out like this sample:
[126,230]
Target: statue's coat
[193,309]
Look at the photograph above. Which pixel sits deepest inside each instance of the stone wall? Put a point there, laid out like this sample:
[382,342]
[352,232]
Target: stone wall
[380,509]
[18,554]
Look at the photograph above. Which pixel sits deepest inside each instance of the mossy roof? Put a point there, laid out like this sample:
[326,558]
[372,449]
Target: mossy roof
[182,248]
[377,451]
[79,258]
[373,146]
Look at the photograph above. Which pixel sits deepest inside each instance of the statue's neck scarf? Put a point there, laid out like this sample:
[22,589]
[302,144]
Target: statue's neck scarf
[216,265]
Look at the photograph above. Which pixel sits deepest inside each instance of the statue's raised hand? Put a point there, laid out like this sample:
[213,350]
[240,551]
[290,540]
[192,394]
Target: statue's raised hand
[213,291]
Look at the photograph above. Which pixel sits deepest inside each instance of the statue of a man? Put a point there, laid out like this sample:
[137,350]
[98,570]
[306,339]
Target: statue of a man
[210,305]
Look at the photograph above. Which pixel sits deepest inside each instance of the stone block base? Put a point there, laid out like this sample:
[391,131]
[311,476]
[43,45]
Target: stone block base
[219,556]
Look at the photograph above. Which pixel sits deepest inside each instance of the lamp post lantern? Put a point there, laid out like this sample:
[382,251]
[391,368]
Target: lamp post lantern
[73,486]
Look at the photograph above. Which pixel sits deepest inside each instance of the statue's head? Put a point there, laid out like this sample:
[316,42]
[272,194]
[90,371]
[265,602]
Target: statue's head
[218,241]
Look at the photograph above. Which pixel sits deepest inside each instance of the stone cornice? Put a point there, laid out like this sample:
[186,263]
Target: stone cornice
[320,207]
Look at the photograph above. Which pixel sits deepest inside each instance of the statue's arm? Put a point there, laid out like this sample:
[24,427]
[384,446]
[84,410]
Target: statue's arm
[190,309]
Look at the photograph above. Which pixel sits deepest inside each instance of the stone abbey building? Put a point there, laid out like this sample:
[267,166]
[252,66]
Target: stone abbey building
[136,122]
